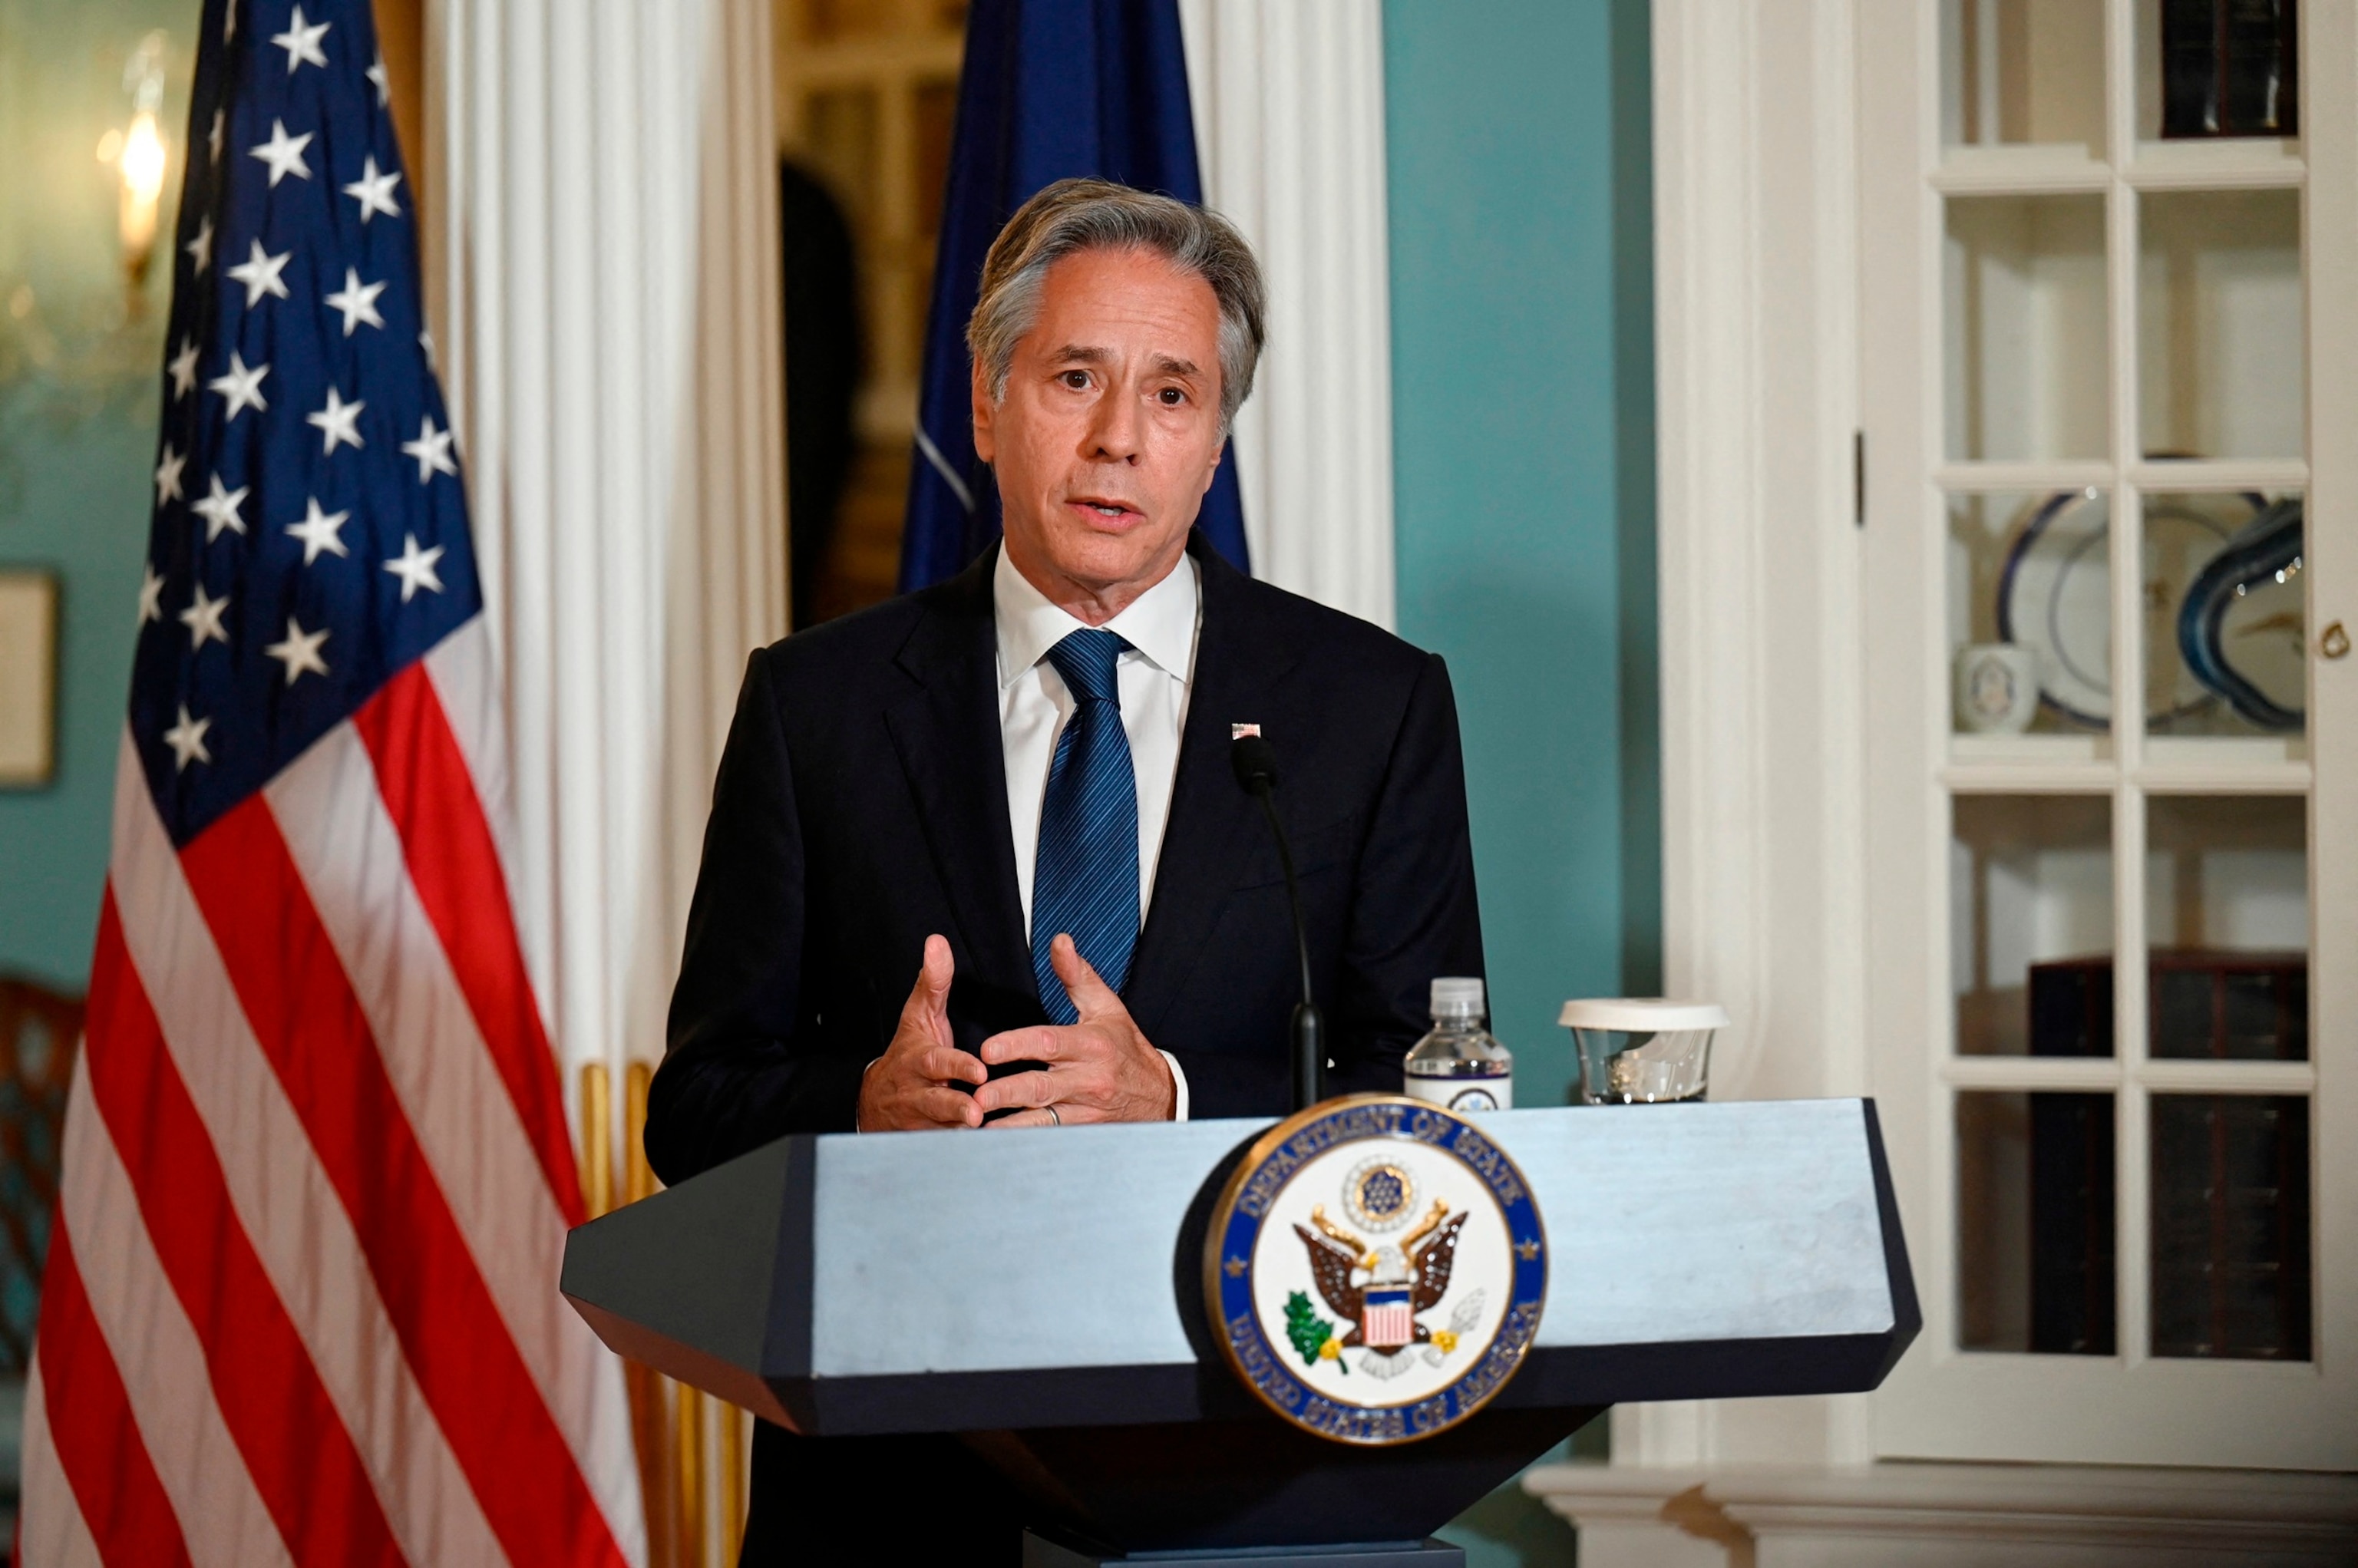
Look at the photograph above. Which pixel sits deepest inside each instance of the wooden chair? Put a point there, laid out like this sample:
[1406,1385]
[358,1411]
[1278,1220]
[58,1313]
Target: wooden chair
[39,1031]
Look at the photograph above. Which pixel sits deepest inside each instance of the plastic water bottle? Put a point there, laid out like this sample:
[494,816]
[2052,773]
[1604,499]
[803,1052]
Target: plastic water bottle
[1460,1064]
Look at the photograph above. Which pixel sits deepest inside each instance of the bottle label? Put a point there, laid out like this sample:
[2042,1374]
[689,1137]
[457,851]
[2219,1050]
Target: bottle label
[1464,1093]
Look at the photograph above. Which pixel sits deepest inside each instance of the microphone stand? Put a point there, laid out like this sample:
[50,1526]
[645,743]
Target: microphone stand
[1255,762]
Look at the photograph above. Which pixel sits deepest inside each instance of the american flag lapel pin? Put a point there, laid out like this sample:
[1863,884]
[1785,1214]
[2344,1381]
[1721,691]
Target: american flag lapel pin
[1238,731]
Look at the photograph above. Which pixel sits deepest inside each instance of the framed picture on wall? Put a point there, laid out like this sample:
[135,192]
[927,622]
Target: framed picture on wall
[29,677]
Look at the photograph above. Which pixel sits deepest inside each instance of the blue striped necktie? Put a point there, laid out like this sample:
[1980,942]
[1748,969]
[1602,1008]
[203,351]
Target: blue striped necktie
[1085,876]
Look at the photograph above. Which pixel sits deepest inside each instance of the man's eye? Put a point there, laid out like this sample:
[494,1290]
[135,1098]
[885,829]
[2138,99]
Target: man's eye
[1172,396]
[1078,380]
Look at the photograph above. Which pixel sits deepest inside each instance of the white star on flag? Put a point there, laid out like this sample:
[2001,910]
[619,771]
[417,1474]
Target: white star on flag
[203,620]
[284,154]
[151,594]
[339,421]
[183,366]
[300,652]
[432,451]
[383,80]
[242,386]
[357,300]
[219,510]
[202,247]
[302,43]
[320,531]
[187,739]
[259,271]
[214,136]
[414,568]
[229,31]
[373,192]
[167,475]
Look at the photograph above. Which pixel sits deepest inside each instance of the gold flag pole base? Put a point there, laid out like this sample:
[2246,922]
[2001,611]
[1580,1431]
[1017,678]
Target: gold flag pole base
[695,1509]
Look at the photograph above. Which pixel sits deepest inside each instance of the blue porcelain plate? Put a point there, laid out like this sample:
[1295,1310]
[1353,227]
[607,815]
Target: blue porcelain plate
[2054,597]
[2242,629]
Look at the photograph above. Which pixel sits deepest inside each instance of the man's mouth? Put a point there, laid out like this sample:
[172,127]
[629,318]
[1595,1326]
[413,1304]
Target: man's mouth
[1112,511]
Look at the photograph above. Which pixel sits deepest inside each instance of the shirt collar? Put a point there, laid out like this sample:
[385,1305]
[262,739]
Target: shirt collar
[1160,623]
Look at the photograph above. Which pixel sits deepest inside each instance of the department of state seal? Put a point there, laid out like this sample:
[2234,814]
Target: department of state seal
[1375,1269]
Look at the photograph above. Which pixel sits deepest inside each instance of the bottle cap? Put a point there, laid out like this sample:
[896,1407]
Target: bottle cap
[1457,996]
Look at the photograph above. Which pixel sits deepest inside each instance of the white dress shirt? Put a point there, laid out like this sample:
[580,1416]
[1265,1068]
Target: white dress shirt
[1152,676]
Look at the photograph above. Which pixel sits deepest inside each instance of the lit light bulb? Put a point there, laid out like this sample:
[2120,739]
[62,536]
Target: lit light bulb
[141,162]
[140,157]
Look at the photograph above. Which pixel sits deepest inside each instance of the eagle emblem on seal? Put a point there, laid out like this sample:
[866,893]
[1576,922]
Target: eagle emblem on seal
[1422,1273]
[1380,1288]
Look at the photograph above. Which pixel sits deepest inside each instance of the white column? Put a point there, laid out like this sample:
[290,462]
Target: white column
[608,280]
[1756,354]
[1763,880]
[1288,103]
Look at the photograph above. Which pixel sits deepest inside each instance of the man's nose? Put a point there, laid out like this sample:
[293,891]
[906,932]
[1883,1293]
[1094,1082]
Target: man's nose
[1117,429]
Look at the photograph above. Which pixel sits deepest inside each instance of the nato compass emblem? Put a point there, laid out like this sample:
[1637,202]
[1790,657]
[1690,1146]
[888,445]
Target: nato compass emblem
[1375,1269]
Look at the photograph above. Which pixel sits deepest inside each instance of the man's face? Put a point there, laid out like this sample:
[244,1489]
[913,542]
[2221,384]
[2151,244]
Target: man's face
[1106,438]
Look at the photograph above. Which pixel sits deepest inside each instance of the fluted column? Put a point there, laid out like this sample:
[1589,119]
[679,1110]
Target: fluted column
[606,270]
[1288,103]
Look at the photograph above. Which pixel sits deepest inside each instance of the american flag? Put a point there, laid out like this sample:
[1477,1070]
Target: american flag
[301,1302]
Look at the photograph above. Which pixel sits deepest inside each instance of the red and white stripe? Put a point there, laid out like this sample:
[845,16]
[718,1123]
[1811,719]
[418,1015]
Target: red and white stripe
[301,1306]
[1387,1326]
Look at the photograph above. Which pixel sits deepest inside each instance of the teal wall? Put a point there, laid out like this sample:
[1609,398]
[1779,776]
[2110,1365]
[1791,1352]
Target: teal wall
[1523,469]
[1523,438]
[80,369]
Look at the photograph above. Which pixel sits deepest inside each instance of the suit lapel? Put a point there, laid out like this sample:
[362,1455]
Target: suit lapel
[947,733]
[1213,822]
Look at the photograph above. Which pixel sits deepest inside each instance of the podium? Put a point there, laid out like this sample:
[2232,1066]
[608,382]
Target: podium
[1040,1293]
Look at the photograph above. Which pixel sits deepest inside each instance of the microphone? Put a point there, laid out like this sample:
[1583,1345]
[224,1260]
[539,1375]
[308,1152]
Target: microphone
[1255,762]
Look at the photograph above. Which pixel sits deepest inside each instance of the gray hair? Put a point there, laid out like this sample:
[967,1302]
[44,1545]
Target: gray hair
[1096,214]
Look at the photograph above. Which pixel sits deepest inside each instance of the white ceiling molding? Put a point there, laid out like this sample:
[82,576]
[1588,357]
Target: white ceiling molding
[1289,105]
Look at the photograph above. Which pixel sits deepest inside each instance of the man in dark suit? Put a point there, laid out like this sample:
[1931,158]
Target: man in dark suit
[976,859]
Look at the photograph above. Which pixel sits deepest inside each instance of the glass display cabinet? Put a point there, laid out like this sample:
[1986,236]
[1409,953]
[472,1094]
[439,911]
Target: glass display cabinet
[2108,288]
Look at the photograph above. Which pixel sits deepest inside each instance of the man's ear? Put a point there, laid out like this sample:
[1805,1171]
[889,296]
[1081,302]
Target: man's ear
[984,444]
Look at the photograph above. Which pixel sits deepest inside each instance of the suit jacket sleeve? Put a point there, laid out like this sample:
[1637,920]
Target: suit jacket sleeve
[742,1068]
[1412,912]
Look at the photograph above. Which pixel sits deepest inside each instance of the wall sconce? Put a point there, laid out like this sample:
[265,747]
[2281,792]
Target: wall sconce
[138,153]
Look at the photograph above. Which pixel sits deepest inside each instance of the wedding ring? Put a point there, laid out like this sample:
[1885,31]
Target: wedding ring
[1053,1119]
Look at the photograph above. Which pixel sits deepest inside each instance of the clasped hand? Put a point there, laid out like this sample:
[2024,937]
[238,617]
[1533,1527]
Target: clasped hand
[1099,1069]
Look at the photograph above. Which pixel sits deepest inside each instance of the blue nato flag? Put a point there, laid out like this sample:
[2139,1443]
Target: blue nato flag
[1051,89]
